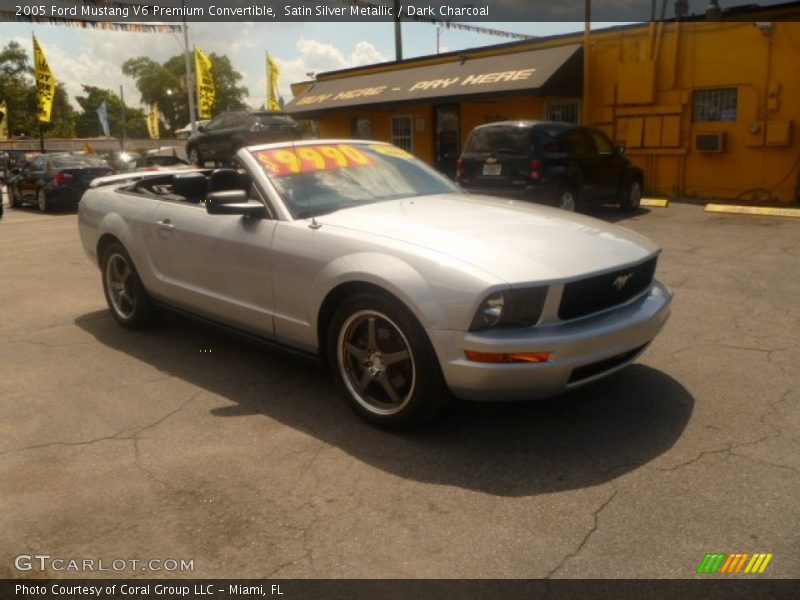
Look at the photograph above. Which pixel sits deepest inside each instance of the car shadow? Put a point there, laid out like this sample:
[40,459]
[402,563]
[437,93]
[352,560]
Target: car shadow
[612,213]
[585,438]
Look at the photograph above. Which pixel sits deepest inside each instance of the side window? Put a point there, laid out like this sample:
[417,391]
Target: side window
[38,164]
[215,124]
[602,143]
[579,144]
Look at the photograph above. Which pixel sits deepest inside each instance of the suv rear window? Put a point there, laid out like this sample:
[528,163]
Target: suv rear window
[501,139]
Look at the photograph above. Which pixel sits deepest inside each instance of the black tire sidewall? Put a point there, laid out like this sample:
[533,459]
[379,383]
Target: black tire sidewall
[430,395]
[144,311]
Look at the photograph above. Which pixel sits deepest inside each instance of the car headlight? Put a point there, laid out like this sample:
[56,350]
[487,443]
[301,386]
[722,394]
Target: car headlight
[510,308]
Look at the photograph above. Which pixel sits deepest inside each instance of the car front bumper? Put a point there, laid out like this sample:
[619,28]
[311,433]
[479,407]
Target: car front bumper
[581,351]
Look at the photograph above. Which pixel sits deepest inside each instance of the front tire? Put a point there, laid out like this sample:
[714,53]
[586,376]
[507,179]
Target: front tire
[631,196]
[384,363]
[130,304]
[41,201]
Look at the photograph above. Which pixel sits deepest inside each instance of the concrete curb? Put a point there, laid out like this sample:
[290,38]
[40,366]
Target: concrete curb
[655,202]
[763,211]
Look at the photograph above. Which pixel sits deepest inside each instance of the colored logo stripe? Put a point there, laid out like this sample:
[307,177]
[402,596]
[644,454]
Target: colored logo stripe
[711,562]
[734,563]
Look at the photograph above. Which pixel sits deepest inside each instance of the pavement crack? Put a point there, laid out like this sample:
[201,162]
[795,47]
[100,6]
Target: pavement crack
[586,537]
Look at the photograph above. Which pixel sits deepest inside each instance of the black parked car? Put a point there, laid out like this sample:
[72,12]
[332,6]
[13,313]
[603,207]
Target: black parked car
[55,179]
[221,138]
[559,163]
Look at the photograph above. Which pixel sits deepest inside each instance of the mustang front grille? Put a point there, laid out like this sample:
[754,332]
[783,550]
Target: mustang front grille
[587,296]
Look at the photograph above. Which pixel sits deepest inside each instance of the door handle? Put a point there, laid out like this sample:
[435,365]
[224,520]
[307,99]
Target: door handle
[165,224]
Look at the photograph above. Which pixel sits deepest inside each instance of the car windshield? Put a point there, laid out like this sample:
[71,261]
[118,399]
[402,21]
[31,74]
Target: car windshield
[317,179]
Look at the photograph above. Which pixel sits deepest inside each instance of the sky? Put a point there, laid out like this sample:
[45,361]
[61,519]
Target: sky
[85,56]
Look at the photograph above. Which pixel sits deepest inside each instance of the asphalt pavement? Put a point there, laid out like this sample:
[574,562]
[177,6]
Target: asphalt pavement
[184,442]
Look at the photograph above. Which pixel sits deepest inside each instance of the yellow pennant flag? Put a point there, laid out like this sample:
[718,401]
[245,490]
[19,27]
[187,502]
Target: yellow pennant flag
[152,123]
[45,82]
[273,72]
[3,120]
[205,84]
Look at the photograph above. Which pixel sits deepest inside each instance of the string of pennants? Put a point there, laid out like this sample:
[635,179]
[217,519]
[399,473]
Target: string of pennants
[7,15]
[449,24]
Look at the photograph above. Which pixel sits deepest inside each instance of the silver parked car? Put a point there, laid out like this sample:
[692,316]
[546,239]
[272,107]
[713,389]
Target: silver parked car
[406,286]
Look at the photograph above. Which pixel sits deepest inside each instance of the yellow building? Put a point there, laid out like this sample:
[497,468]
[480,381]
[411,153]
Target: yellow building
[708,109]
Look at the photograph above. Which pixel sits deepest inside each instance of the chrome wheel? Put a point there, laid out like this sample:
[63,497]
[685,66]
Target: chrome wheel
[566,200]
[41,200]
[194,156]
[120,286]
[375,362]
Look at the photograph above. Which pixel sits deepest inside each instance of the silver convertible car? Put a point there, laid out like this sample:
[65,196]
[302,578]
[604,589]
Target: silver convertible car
[408,288]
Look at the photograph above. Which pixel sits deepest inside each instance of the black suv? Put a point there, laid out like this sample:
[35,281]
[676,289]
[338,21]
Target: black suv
[558,163]
[219,139]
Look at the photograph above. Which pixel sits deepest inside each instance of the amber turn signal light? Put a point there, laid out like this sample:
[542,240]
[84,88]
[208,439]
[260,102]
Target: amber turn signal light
[513,357]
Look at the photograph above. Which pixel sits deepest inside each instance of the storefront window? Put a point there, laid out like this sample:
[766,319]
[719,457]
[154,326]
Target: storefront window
[361,128]
[714,105]
[402,135]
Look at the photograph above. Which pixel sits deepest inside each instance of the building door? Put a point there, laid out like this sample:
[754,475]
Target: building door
[447,145]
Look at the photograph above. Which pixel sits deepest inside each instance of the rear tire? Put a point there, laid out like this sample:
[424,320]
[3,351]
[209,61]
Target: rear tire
[130,304]
[631,196]
[194,156]
[567,199]
[384,364]
[14,200]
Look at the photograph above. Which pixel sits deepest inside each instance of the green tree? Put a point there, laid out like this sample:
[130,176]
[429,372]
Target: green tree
[161,83]
[18,89]
[87,123]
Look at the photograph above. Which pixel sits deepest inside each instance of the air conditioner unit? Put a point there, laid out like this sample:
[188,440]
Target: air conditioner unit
[709,142]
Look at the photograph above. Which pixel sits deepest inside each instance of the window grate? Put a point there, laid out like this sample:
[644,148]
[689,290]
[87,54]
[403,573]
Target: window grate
[402,135]
[714,105]
[563,111]
[361,128]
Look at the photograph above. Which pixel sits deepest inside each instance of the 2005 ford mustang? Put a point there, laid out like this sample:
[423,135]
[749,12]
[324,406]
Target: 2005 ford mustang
[407,287]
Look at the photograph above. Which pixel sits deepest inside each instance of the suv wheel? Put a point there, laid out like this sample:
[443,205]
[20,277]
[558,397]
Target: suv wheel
[566,199]
[631,196]
[130,304]
[384,363]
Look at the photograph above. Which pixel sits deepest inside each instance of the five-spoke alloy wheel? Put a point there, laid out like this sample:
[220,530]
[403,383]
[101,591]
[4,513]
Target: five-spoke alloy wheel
[129,302]
[384,362]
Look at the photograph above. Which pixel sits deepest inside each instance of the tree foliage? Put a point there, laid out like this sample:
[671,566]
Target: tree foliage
[18,89]
[87,123]
[161,83]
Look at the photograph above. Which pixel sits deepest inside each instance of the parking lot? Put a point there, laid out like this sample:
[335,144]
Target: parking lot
[183,442]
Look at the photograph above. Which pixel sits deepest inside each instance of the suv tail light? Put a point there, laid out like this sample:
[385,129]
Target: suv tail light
[62,178]
[459,169]
[536,169]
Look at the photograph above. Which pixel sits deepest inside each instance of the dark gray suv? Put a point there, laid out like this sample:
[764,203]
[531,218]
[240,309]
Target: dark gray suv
[220,139]
[558,163]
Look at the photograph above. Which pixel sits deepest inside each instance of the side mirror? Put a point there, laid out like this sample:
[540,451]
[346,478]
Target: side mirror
[201,128]
[619,149]
[233,202]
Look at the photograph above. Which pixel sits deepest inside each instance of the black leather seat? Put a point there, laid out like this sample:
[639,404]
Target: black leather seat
[222,180]
[190,186]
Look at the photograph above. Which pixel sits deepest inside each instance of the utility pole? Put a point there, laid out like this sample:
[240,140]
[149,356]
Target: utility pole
[122,118]
[586,29]
[189,79]
[398,34]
